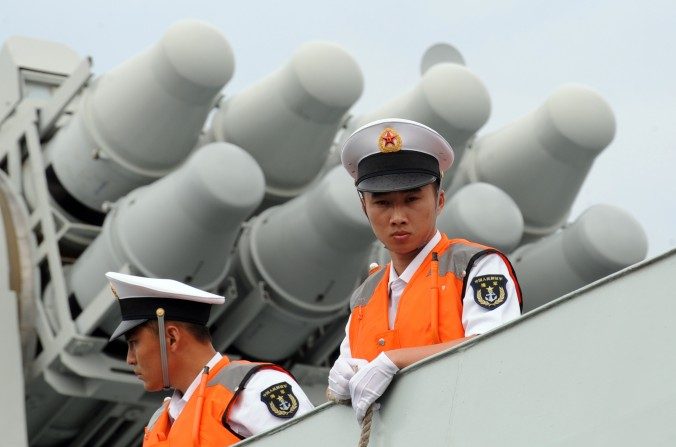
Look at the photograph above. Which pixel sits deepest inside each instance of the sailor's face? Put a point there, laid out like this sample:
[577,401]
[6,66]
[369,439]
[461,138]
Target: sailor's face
[143,353]
[404,221]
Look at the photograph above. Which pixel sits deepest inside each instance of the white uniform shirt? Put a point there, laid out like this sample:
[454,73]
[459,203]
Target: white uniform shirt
[249,415]
[475,319]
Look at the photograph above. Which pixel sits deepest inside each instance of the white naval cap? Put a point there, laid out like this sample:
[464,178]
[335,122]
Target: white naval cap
[140,298]
[395,154]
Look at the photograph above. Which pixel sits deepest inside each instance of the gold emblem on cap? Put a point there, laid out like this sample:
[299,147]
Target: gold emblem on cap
[389,140]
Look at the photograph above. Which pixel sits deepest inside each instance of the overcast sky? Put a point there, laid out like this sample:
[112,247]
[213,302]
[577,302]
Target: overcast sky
[522,50]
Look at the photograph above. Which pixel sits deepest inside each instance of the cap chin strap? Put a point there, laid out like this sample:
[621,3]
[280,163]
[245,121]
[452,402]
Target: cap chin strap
[163,348]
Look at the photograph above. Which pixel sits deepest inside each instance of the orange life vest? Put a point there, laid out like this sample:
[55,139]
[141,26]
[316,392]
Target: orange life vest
[430,307]
[220,393]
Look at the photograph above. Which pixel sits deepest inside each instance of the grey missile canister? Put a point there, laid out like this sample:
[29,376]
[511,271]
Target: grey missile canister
[440,53]
[308,254]
[603,240]
[482,213]
[449,98]
[139,121]
[288,120]
[182,227]
[542,159]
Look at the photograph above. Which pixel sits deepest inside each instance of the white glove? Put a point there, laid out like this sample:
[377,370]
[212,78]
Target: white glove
[370,383]
[340,375]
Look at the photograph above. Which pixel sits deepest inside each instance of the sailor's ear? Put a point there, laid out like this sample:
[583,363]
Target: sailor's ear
[173,333]
[441,201]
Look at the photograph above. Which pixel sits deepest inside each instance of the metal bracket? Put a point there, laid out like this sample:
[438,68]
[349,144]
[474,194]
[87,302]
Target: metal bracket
[62,97]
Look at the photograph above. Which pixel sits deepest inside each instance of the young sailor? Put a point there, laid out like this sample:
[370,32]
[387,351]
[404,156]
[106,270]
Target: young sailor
[435,292]
[216,402]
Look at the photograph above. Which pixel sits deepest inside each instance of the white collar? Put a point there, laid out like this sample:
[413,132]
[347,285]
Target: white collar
[195,383]
[410,269]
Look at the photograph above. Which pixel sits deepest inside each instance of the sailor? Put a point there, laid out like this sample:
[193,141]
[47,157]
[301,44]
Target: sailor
[436,292]
[216,402]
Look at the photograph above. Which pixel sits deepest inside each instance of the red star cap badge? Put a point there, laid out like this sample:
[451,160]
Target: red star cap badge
[389,140]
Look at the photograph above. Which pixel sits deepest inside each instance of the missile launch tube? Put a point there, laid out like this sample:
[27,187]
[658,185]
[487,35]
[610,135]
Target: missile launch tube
[182,227]
[603,240]
[482,213]
[542,159]
[288,120]
[449,98]
[439,53]
[140,120]
[309,252]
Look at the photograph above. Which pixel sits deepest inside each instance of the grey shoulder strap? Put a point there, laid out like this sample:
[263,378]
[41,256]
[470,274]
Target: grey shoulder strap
[364,292]
[457,257]
[234,374]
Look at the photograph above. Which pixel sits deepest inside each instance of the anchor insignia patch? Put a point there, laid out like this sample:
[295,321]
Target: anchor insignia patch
[280,400]
[489,291]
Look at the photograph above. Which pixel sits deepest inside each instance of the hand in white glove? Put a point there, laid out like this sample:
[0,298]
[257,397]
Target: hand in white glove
[370,383]
[340,375]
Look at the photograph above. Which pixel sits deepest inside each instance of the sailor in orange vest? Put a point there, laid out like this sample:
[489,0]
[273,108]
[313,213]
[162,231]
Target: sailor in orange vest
[435,292]
[216,402]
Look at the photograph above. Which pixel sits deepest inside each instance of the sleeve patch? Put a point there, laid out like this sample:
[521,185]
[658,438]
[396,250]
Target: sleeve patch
[490,291]
[280,400]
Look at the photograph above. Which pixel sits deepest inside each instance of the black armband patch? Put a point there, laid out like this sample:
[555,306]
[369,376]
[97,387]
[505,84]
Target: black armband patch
[490,291]
[280,400]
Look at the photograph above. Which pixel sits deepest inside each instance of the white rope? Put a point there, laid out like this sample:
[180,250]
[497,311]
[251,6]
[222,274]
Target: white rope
[366,428]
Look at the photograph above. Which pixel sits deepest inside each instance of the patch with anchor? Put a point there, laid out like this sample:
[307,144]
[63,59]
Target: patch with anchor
[280,400]
[490,291]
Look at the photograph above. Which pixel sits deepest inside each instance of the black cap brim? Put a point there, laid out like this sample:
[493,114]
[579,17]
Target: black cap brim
[124,327]
[395,182]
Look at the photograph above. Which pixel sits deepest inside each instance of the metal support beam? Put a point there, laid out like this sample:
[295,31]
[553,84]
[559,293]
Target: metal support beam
[63,95]
[12,423]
